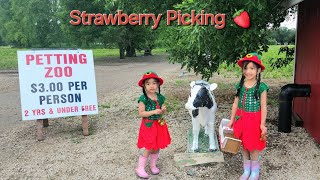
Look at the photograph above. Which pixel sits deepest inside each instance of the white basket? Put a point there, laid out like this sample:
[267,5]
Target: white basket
[227,141]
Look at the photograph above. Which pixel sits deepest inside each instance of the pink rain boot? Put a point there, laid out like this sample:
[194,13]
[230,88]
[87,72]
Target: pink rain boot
[255,170]
[141,165]
[153,163]
[246,169]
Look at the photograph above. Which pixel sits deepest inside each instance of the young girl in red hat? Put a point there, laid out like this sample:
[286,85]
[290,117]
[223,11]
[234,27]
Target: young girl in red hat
[153,134]
[249,112]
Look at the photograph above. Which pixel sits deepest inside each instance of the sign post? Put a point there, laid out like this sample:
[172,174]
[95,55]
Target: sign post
[40,134]
[85,125]
[45,122]
[57,83]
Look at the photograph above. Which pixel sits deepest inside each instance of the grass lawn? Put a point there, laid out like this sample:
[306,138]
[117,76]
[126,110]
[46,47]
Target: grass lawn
[8,60]
[267,58]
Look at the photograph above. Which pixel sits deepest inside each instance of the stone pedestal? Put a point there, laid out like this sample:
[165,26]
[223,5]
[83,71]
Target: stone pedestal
[191,158]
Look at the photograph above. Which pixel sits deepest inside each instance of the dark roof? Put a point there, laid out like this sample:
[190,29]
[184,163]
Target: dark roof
[289,3]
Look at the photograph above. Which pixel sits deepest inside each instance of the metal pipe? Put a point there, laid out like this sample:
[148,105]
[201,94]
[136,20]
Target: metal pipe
[287,93]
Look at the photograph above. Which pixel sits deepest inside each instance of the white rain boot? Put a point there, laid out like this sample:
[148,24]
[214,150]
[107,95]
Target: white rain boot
[246,169]
[255,170]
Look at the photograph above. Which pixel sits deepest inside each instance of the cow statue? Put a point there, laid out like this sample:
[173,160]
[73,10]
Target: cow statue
[202,108]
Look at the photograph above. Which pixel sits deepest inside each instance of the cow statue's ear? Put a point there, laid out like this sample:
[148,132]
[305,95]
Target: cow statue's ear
[192,84]
[213,86]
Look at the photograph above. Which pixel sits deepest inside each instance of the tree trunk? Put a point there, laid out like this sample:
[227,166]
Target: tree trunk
[147,52]
[121,50]
[131,51]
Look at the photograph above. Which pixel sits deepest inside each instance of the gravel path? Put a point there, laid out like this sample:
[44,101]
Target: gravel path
[110,151]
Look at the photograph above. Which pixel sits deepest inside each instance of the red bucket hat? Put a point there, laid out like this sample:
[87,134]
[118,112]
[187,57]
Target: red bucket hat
[254,57]
[148,75]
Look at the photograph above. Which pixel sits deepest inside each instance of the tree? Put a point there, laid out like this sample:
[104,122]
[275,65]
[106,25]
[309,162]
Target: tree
[80,36]
[203,48]
[283,35]
[12,26]
[4,17]
[131,38]
[292,36]
[31,23]
[282,62]
[46,24]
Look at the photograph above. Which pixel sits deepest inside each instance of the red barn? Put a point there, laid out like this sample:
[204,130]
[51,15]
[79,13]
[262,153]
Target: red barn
[307,64]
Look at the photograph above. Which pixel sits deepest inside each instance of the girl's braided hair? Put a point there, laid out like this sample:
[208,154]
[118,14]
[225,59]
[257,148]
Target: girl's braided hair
[245,64]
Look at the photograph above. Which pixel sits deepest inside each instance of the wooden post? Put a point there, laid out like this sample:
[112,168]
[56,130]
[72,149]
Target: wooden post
[45,123]
[85,125]
[40,135]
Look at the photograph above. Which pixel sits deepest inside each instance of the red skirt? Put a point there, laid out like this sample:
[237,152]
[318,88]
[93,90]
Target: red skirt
[247,129]
[154,137]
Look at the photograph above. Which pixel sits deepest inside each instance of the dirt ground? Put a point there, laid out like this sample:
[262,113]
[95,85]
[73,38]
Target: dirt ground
[110,151]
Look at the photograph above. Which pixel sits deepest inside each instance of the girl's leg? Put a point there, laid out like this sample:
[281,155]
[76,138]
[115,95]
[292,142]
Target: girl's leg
[254,155]
[246,154]
[246,165]
[255,165]
[153,162]
[146,153]
[143,159]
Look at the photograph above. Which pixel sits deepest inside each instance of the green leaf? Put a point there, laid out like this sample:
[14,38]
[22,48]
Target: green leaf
[237,13]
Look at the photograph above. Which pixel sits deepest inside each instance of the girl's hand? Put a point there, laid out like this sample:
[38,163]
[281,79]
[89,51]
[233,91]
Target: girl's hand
[230,124]
[157,111]
[164,109]
[263,133]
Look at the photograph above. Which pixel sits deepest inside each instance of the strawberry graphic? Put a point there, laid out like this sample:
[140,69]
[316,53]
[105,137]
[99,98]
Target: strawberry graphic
[241,18]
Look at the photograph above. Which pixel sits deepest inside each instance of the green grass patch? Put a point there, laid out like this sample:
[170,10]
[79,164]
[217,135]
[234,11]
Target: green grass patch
[172,103]
[100,53]
[159,51]
[76,140]
[267,58]
[273,101]
[271,55]
[181,82]
[223,86]
[9,59]
[104,106]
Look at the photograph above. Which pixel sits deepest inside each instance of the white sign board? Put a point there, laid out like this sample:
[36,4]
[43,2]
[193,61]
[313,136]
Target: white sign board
[57,83]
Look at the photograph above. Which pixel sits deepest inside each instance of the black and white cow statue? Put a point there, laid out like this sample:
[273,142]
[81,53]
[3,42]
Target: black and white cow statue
[202,108]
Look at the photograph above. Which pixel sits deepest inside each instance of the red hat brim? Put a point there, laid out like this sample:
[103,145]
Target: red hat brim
[253,59]
[148,76]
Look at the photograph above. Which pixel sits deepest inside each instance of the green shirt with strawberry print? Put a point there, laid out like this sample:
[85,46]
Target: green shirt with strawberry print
[246,97]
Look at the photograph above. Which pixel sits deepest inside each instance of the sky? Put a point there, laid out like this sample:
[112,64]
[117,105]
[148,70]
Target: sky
[290,22]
